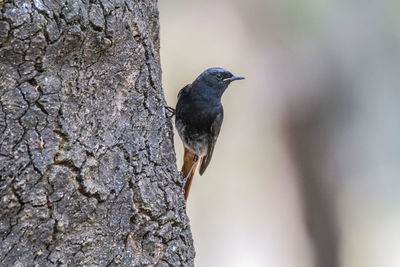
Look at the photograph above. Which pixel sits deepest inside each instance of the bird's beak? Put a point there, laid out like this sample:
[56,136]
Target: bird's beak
[233,78]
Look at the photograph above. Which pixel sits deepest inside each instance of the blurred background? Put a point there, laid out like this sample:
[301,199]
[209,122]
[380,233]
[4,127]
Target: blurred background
[306,170]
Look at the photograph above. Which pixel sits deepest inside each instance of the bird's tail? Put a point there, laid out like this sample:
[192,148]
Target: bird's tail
[188,159]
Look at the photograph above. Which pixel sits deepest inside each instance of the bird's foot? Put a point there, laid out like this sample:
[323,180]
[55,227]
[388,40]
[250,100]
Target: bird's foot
[170,110]
[184,181]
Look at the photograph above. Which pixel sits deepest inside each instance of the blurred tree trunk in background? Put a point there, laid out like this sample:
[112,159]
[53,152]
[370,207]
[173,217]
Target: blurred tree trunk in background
[88,173]
[344,132]
[313,127]
[306,140]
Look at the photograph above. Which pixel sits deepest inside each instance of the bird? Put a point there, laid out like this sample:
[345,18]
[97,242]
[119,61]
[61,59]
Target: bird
[198,119]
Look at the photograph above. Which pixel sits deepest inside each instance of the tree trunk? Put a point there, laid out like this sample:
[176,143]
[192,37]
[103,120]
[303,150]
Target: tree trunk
[88,173]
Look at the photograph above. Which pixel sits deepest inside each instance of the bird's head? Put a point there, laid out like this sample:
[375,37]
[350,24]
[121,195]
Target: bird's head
[217,78]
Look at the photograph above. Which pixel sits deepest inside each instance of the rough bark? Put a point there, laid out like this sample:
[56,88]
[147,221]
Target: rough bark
[88,173]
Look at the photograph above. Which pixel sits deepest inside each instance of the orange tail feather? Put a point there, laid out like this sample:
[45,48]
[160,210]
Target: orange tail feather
[188,159]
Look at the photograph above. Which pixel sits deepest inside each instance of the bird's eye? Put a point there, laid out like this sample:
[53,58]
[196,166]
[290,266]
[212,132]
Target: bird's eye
[219,76]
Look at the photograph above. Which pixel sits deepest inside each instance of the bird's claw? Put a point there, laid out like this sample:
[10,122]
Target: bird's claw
[184,179]
[171,111]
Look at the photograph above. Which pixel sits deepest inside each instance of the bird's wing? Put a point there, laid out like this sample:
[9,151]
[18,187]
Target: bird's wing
[215,128]
[183,91]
